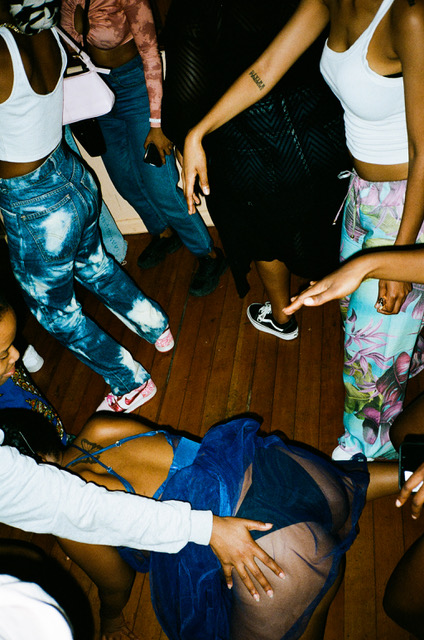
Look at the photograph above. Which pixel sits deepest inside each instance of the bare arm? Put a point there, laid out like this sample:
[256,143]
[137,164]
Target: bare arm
[409,45]
[408,38]
[299,33]
[402,265]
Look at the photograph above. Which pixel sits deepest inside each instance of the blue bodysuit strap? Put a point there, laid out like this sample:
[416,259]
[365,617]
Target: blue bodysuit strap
[184,456]
[93,456]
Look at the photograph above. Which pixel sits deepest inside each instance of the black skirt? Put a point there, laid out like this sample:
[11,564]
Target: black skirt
[272,169]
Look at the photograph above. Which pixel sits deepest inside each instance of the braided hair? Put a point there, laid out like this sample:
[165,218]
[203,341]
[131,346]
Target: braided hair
[30,433]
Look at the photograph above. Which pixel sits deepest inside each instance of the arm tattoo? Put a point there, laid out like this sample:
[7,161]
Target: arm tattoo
[256,79]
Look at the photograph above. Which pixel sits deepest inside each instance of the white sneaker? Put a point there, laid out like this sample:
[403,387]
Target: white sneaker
[32,360]
[129,401]
[339,454]
[165,342]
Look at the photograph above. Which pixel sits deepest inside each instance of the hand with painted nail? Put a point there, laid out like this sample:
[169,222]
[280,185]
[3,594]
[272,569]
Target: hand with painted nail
[408,489]
[235,549]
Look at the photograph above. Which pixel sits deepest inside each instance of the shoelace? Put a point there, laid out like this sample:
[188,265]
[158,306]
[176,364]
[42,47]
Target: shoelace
[265,310]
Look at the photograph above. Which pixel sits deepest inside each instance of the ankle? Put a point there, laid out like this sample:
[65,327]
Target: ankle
[280,318]
[167,233]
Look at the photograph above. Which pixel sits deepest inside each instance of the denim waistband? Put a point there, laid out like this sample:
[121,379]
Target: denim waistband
[50,165]
[134,63]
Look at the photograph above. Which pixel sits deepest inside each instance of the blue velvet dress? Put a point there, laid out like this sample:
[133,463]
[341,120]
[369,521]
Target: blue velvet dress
[314,506]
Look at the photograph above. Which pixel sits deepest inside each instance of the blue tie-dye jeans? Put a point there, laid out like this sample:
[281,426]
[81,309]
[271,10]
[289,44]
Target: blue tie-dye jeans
[51,219]
[380,352]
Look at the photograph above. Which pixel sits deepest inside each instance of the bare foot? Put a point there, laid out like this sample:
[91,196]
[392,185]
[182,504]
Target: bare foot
[116,629]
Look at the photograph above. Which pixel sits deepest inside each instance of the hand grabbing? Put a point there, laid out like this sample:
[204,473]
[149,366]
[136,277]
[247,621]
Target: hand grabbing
[235,548]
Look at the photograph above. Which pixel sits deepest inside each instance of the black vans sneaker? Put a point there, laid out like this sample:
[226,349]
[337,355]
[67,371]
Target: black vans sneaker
[260,315]
[157,250]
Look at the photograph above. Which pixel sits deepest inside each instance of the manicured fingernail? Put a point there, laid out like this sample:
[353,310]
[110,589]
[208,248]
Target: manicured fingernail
[415,517]
[282,576]
[256,596]
[229,586]
[398,503]
[270,593]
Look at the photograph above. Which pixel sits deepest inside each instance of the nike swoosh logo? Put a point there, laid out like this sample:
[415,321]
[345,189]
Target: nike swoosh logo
[128,402]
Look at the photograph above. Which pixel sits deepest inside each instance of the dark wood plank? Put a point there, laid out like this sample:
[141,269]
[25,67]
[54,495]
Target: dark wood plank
[221,366]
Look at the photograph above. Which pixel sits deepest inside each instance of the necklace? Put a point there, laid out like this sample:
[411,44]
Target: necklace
[13,27]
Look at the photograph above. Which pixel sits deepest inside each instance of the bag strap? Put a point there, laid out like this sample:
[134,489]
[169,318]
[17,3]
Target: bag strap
[80,52]
[85,23]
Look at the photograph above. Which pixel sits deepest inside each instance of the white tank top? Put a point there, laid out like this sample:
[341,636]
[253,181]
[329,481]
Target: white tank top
[374,106]
[30,123]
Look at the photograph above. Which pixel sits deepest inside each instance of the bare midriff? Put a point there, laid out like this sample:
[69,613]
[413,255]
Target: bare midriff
[113,58]
[16,169]
[381,172]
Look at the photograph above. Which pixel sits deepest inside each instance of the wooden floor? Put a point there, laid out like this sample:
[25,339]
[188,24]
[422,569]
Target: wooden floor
[221,366]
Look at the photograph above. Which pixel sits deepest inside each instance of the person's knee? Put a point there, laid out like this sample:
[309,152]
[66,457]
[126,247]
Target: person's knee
[397,609]
[97,268]
[391,603]
[403,599]
[65,322]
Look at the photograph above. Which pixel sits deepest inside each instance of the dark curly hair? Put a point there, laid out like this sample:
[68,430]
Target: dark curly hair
[30,433]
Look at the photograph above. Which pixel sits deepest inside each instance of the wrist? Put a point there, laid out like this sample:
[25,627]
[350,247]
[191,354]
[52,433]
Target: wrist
[196,135]
[371,265]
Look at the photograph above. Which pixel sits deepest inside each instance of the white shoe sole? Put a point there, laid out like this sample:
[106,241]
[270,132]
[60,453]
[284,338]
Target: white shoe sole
[341,455]
[284,336]
[135,404]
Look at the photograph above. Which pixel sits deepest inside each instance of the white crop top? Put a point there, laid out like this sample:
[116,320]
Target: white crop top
[374,105]
[30,123]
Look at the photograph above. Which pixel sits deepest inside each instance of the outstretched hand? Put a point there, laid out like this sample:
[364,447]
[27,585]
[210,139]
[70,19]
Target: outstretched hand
[406,491]
[235,549]
[338,284]
[194,165]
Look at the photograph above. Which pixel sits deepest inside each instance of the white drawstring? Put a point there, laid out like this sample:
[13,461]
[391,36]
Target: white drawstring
[355,178]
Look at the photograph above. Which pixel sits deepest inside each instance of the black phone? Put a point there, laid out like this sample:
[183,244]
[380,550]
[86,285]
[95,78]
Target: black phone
[411,456]
[152,155]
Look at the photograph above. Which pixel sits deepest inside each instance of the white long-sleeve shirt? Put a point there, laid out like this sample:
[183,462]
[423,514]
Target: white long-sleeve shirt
[45,499]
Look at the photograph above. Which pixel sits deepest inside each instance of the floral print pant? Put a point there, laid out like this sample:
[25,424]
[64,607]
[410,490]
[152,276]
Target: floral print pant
[380,352]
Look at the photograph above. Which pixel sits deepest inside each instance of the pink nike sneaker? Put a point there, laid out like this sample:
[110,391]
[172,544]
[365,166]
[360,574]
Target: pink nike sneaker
[129,401]
[165,342]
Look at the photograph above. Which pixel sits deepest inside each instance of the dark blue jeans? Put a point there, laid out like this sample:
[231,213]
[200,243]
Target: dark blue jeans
[51,219]
[151,191]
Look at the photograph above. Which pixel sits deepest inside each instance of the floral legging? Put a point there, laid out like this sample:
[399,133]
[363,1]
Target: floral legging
[380,352]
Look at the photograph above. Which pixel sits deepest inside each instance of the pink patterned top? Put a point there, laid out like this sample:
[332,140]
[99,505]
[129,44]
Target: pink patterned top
[116,22]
